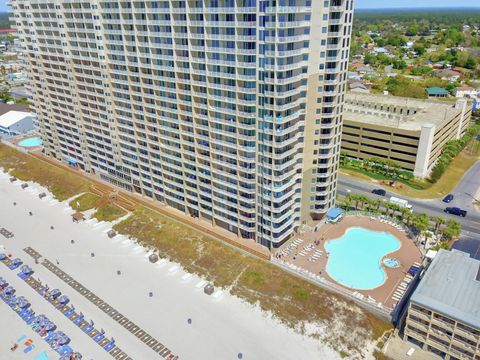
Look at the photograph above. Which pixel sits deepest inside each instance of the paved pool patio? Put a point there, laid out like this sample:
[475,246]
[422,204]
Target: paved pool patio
[314,243]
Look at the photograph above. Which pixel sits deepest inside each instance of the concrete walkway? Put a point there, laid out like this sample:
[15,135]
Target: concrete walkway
[397,349]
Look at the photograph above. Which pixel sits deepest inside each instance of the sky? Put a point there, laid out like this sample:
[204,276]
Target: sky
[369,4]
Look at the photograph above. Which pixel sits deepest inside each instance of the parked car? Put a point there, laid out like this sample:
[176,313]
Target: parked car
[456,211]
[448,198]
[380,192]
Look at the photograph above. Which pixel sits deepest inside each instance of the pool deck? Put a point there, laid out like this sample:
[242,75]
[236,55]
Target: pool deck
[407,255]
[16,141]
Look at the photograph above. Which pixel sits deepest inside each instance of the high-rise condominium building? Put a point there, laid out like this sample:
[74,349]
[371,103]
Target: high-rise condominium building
[228,110]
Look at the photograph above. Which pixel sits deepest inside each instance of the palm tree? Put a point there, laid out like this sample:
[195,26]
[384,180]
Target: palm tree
[347,202]
[363,199]
[343,157]
[366,164]
[405,211]
[355,198]
[427,235]
[452,230]
[421,223]
[374,205]
[438,222]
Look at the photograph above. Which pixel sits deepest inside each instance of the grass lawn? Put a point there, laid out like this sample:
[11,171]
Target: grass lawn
[291,299]
[457,168]
[84,202]
[61,183]
[109,212]
[415,184]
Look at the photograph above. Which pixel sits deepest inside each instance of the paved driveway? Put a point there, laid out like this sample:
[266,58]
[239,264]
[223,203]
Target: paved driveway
[468,189]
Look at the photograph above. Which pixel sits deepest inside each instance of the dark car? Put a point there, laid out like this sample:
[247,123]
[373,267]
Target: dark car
[448,198]
[380,192]
[456,211]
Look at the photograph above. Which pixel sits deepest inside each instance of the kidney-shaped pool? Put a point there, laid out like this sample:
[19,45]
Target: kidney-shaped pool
[355,258]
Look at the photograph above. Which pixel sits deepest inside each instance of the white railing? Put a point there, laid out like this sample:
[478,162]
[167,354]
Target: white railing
[366,302]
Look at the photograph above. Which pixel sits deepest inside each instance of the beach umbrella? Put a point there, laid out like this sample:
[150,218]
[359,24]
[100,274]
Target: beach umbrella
[63,299]
[49,325]
[9,290]
[21,301]
[62,338]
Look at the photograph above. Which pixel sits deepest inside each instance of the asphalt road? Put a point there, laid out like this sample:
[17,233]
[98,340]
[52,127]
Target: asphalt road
[463,193]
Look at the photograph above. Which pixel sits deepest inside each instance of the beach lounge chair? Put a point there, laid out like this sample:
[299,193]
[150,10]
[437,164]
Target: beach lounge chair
[97,338]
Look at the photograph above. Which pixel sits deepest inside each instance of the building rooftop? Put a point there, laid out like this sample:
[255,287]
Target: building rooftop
[451,286]
[11,117]
[397,112]
[464,88]
[436,91]
[4,108]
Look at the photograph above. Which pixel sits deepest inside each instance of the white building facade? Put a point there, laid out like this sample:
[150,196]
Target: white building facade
[228,110]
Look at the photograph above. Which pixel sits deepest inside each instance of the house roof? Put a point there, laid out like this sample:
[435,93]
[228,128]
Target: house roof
[333,213]
[357,85]
[10,118]
[4,108]
[464,88]
[447,73]
[451,286]
[436,91]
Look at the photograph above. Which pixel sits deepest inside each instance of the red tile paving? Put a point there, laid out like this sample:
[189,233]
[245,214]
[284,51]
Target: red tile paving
[407,255]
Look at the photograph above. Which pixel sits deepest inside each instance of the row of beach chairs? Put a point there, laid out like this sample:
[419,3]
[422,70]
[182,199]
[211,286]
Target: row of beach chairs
[315,256]
[395,225]
[402,288]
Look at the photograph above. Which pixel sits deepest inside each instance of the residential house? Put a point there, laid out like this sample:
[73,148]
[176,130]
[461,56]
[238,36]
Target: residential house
[358,87]
[437,92]
[466,91]
[448,75]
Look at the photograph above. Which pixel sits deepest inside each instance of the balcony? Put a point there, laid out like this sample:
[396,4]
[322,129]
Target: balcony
[436,344]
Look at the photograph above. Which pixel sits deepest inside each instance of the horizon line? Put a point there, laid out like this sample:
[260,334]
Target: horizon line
[420,7]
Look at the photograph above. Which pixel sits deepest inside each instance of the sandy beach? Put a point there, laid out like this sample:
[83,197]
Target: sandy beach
[222,325]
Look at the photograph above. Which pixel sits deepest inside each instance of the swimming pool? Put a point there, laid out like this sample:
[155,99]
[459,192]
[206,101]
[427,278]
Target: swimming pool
[354,258]
[31,142]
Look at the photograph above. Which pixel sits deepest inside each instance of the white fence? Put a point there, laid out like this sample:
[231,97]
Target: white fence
[366,302]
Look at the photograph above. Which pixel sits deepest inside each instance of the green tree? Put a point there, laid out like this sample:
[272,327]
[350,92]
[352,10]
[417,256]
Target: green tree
[439,221]
[343,157]
[421,223]
[452,230]
[442,245]
[347,202]
[412,30]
